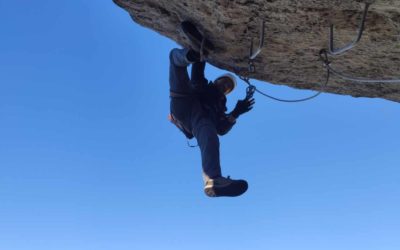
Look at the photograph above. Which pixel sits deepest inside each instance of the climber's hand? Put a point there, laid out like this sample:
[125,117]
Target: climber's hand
[242,107]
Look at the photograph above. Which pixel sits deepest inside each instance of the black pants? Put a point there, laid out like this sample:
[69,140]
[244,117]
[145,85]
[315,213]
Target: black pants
[191,113]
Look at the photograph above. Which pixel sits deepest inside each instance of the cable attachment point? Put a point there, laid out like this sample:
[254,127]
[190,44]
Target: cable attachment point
[338,51]
[252,67]
[323,57]
[254,54]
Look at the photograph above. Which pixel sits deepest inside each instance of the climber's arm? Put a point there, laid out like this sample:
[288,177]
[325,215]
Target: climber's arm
[226,123]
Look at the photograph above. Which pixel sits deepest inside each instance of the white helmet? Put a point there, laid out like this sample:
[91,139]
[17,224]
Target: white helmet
[226,88]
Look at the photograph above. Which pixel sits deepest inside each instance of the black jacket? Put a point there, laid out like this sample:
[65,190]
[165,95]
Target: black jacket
[212,101]
[214,105]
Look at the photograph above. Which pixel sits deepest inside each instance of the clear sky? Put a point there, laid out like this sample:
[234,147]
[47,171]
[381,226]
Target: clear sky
[89,161]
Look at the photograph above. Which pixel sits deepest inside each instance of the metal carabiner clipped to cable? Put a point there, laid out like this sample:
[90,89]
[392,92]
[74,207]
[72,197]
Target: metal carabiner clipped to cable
[250,90]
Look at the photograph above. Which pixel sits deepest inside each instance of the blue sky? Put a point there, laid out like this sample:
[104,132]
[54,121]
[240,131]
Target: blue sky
[89,161]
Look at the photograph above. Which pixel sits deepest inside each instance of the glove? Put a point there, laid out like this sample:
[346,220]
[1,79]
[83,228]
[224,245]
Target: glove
[242,107]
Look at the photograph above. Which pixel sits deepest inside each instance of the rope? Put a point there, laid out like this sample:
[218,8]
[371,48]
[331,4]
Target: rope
[252,69]
[323,86]
[357,79]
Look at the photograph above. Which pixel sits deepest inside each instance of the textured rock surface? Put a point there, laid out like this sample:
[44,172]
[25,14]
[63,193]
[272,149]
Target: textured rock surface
[296,30]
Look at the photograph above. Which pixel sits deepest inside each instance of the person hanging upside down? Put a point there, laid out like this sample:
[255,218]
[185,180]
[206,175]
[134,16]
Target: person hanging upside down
[198,109]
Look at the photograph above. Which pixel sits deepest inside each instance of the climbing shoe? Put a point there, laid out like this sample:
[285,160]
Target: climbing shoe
[222,186]
[196,38]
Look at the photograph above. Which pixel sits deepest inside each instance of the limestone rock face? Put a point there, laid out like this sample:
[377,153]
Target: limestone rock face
[295,32]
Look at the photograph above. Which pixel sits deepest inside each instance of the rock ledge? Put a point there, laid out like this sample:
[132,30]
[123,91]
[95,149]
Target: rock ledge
[295,33]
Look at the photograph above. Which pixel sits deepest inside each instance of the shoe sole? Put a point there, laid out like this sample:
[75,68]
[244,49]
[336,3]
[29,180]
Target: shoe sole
[236,189]
[210,192]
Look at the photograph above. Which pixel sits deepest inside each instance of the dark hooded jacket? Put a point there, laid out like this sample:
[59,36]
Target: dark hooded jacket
[211,100]
[214,105]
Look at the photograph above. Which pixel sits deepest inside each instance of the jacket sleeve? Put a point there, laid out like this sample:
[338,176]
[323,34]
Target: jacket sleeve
[225,124]
[197,81]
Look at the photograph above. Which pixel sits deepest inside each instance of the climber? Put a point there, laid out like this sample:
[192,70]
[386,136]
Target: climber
[198,109]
